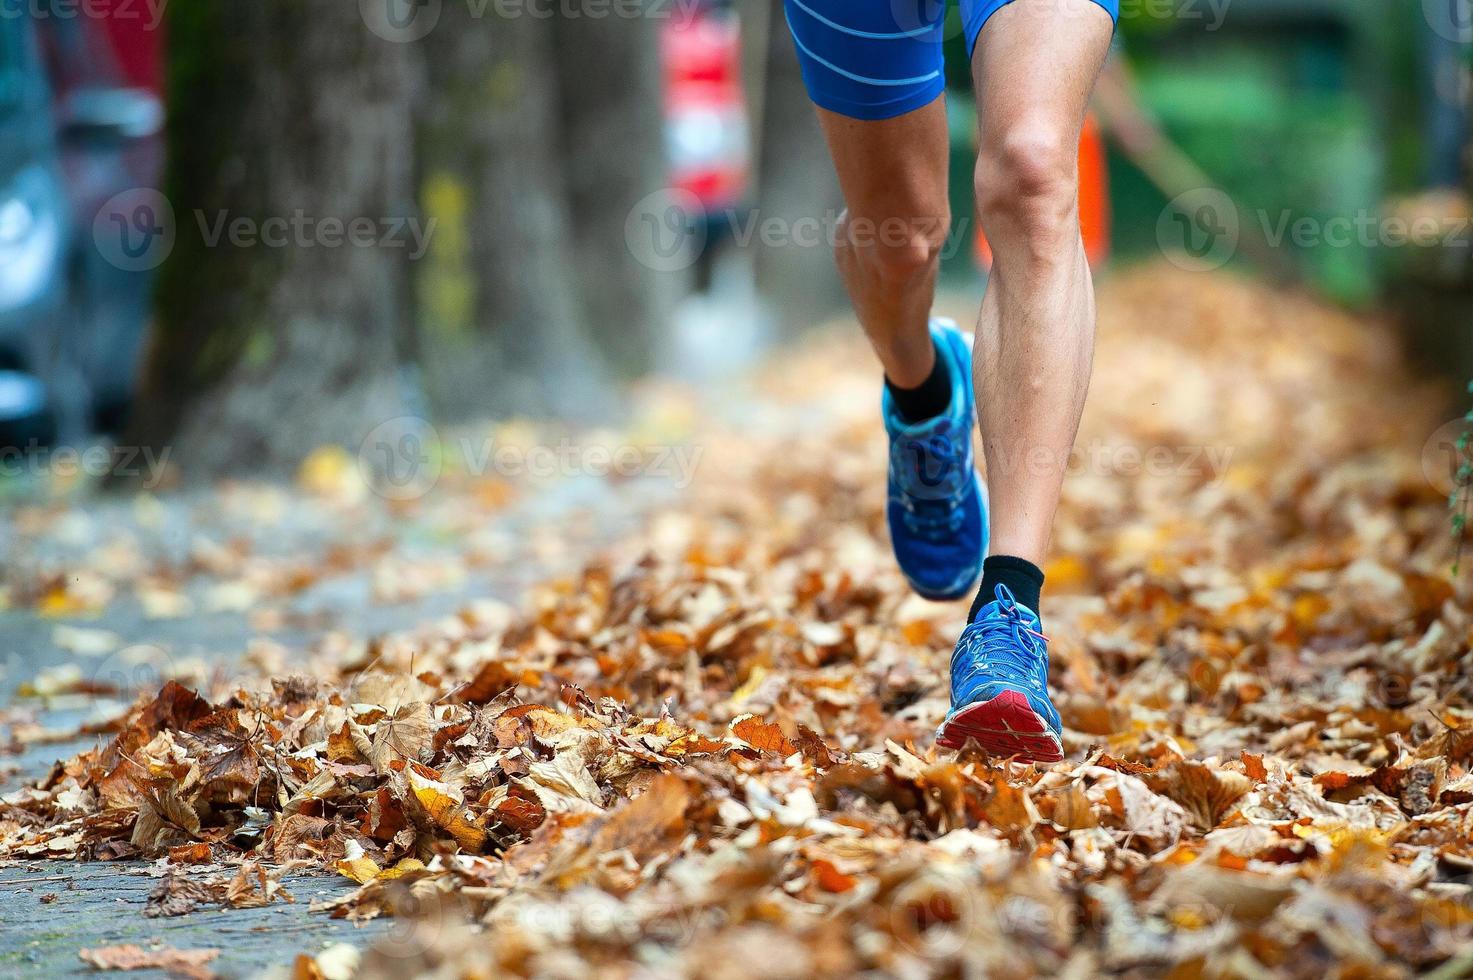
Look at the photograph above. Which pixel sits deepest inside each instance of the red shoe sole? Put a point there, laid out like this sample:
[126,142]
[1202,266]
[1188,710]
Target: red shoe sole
[1006,726]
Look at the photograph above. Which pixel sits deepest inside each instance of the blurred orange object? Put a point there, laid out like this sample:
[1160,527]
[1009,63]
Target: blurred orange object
[1094,199]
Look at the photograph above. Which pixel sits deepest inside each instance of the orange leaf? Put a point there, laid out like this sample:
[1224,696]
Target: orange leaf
[762,735]
[830,878]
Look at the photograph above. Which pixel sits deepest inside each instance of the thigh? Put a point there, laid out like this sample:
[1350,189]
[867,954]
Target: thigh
[1035,62]
[892,172]
[874,70]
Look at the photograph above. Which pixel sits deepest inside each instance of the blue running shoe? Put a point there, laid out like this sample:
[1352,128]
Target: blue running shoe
[937,512]
[999,686]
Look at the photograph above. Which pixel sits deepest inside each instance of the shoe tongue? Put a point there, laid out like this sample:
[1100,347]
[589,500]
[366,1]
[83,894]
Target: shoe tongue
[924,428]
[1030,618]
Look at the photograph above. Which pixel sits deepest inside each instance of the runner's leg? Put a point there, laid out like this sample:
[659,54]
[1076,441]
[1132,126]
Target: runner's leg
[1035,63]
[888,247]
[874,70]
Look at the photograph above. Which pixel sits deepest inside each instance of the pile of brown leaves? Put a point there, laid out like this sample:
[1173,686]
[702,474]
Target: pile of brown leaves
[711,755]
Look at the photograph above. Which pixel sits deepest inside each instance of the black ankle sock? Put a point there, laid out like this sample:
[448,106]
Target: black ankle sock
[1021,576]
[928,399]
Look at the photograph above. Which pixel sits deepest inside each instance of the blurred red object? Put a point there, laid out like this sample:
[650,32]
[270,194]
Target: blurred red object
[136,34]
[705,110]
[119,44]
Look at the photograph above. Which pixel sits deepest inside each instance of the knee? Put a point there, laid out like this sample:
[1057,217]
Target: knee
[1027,187]
[898,248]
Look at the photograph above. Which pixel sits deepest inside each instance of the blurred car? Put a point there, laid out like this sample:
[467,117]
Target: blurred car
[75,130]
[34,215]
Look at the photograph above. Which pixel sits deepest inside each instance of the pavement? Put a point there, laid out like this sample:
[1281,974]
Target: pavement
[220,574]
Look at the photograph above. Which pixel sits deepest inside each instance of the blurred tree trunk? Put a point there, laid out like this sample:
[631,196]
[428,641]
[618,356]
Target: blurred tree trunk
[501,329]
[289,111]
[613,148]
[795,180]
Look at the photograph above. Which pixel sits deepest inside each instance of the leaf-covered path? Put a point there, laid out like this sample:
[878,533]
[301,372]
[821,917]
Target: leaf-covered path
[709,752]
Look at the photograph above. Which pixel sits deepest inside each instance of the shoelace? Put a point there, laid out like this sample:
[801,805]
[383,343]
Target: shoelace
[928,512]
[1005,645]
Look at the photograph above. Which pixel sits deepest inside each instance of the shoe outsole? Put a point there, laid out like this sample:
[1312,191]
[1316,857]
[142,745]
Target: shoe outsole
[1006,726]
[969,589]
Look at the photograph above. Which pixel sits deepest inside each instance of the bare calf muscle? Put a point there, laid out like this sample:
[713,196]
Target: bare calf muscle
[893,176]
[1034,65]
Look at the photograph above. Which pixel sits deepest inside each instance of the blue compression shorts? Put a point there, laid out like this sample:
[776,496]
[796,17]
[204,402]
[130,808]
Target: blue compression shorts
[873,59]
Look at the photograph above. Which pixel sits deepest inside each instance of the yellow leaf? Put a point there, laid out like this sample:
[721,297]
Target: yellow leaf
[447,810]
[753,682]
[401,869]
[361,869]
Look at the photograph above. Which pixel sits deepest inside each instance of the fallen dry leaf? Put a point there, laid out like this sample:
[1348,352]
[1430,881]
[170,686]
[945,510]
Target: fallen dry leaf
[177,962]
[710,751]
